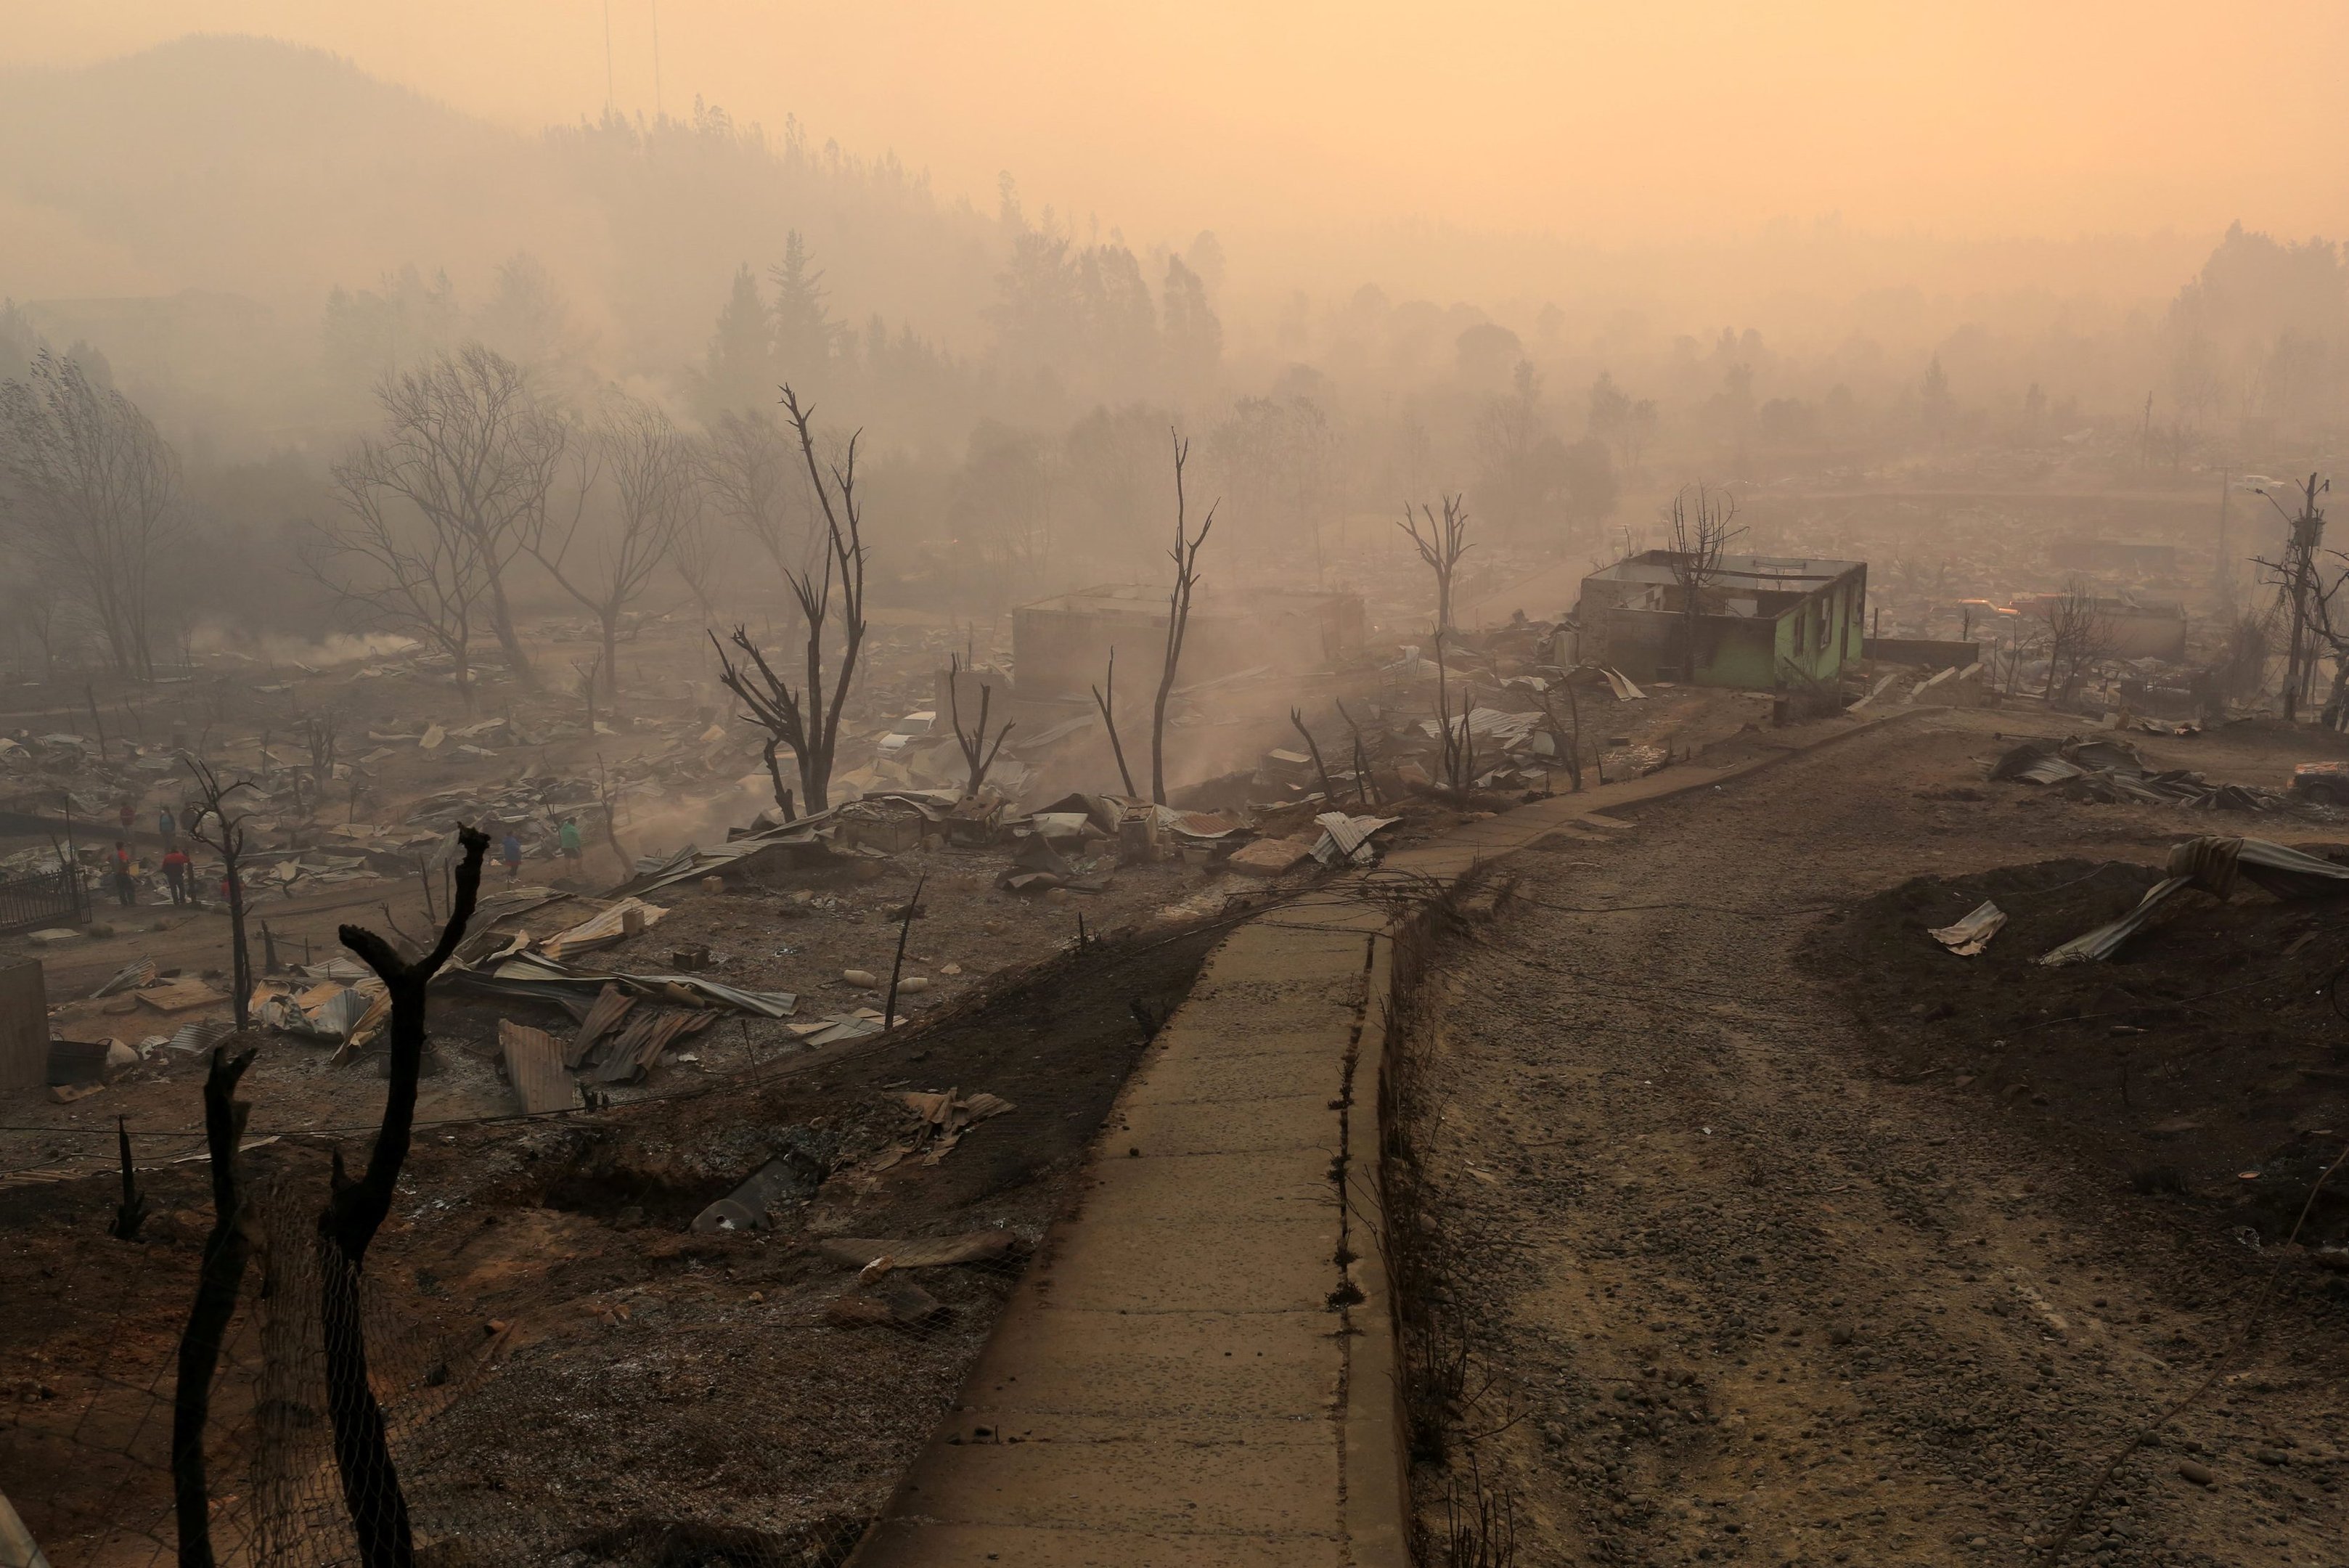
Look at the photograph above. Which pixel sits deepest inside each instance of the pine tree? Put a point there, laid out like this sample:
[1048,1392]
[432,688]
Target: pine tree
[805,336]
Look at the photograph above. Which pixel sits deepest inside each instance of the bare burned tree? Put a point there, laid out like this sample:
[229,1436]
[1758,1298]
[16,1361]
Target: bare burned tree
[226,839]
[469,445]
[1178,616]
[226,1251]
[91,497]
[1107,702]
[655,491]
[356,1211]
[407,570]
[2078,634]
[1441,546]
[1700,525]
[806,718]
[976,752]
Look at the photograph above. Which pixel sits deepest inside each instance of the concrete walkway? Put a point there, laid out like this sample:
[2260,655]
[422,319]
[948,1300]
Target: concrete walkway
[1197,1370]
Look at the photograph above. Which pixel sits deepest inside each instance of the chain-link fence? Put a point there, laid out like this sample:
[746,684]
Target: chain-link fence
[655,1429]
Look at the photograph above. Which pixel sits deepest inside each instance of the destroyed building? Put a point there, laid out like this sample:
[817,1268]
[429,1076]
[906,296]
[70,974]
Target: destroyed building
[1061,646]
[1763,622]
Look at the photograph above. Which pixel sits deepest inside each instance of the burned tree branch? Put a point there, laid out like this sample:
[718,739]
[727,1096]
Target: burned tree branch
[1441,547]
[1178,617]
[354,1213]
[1108,706]
[975,749]
[1329,790]
[1698,533]
[227,841]
[807,718]
[226,1251]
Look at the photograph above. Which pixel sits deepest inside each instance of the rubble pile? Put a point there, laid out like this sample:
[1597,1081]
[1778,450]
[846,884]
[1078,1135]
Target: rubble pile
[2111,771]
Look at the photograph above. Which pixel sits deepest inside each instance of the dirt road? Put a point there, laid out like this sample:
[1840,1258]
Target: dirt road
[1741,1293]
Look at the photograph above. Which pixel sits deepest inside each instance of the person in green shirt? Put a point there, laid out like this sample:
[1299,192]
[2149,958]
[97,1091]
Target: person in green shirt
[569,838]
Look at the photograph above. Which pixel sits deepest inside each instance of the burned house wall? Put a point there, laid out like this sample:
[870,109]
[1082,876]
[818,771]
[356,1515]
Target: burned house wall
[1739,651]
[1811,635]
[1826,629]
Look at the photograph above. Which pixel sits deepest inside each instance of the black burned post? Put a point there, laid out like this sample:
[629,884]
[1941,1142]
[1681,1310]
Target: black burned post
[131,1212]
[897,965]
[1178,618]
[355,1211]
[1107,703]
[226,1251]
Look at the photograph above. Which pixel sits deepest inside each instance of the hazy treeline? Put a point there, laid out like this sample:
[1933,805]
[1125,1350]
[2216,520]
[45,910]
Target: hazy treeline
[634,291]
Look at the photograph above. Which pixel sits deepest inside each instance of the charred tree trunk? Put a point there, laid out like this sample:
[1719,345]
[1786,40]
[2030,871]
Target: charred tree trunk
[226,1251]
[355,1211]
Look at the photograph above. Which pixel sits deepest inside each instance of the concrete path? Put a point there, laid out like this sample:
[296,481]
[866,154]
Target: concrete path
[1198,1369]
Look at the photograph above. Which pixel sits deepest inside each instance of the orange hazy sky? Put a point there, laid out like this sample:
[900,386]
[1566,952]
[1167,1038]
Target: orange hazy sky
[1631,120]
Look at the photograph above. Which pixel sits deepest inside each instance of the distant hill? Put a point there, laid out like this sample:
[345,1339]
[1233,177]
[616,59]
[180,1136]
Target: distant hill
[246,166]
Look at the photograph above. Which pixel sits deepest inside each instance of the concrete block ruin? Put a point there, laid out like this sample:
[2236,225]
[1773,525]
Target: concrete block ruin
[1763,623]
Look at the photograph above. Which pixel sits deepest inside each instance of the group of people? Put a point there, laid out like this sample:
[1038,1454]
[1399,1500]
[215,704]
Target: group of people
[566,838]
[179,872]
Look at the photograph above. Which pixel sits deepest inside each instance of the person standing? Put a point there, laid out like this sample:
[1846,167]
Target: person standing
[125,890]
[168,827]
[175,873]
[569,839]
[512,852]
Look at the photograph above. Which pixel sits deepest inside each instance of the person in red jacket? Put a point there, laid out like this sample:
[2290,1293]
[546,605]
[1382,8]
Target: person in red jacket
[175,873]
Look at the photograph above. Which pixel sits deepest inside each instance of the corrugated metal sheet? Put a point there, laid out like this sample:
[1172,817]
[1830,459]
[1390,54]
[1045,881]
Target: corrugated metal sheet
[534,1067]
[1347,837]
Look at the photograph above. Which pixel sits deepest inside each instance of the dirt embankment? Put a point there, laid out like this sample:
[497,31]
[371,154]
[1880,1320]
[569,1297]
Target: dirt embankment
[574,1375]
[2207,1059]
